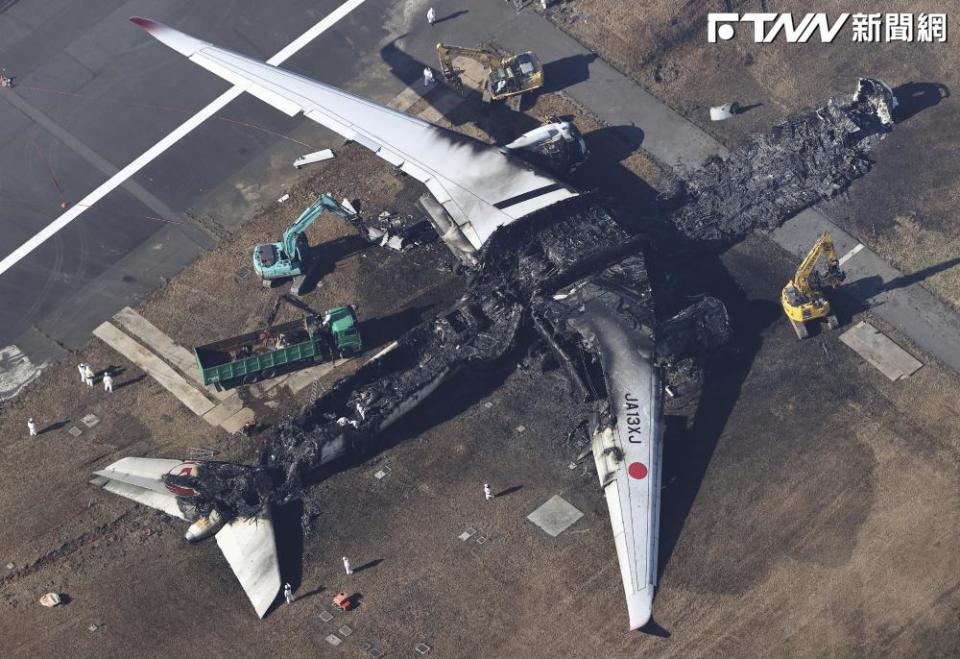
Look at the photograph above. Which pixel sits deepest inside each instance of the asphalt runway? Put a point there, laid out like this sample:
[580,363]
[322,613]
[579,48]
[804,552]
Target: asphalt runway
[92,92]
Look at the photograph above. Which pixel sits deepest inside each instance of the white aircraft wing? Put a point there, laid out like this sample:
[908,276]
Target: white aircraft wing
[251,550]
[141,479]
[628,453]
[481,187]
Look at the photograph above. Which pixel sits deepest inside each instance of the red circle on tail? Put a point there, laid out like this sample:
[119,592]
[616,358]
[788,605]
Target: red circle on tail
[638,470]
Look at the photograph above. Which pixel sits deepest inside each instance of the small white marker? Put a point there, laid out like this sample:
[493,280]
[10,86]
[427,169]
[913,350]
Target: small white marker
[849,255]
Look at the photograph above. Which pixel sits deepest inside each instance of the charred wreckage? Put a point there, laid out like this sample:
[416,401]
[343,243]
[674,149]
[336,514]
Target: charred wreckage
[546,264]
[549,274]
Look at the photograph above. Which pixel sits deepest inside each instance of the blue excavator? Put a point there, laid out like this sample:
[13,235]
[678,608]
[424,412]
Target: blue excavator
[290,258]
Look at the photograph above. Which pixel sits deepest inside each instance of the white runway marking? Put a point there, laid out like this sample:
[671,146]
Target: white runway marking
[217,104]
[849,255]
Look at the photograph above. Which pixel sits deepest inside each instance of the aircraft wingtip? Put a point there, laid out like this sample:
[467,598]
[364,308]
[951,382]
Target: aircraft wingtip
[182,43]
[640,608]
[145,23]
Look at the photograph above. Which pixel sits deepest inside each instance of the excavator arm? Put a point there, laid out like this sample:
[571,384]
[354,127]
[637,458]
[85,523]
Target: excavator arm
[307,217]
[823,247]
[446,53]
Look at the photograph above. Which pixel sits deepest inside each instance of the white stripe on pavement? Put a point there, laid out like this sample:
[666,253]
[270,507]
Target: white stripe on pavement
[849,255]
[183,129]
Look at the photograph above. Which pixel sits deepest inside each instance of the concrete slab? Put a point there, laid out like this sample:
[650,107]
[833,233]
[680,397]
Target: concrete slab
[555,516]
[236,422]
[90,420]
[334,640]
[74,431]
[155,339]
[155,368]
[262,388]
[303,379]
[874,346]
[222,412]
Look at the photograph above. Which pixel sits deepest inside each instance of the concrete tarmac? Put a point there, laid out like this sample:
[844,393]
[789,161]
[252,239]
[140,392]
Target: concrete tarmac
[92,92]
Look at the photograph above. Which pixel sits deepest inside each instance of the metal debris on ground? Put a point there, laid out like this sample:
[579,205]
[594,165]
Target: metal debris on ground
[723,112]
[469,533]
[768,178]
[283,198]
[92,628]
[316,156]
[50,600]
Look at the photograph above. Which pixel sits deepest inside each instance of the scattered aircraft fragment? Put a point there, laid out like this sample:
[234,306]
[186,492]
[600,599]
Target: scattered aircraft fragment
[570,272]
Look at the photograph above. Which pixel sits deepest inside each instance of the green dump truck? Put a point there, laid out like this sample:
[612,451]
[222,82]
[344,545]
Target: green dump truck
[281,348]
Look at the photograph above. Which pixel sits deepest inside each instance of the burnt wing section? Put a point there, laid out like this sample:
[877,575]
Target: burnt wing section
[769,178]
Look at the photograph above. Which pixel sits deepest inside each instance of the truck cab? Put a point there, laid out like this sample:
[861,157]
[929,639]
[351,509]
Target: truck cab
[342,322]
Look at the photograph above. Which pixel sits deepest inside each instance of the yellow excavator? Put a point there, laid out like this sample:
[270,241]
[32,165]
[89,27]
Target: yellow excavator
[507,75]
[802,298]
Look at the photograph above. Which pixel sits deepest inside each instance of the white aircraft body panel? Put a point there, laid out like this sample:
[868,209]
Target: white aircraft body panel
[482,187]
[251,550]
[628,454]
[248,544]
[165,502]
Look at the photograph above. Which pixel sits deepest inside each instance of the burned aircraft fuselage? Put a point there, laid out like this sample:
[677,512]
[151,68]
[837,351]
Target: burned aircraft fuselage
[531,279]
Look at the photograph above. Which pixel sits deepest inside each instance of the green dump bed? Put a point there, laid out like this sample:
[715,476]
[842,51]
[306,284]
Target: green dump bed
[265,353]
[250,357]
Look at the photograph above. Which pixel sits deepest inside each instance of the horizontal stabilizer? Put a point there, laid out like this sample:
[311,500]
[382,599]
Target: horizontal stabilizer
[165,502]
[250,548]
